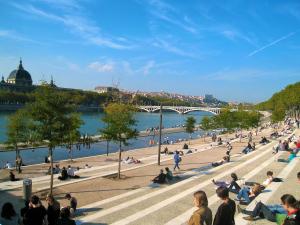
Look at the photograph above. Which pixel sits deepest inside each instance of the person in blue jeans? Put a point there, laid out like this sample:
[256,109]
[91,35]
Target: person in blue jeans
[248,194]
[289,206]
[177,160]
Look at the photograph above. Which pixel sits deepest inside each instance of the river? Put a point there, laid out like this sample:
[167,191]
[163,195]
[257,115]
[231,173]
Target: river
[92,123]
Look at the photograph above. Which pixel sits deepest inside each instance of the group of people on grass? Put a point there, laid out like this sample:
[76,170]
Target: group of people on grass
[34,213]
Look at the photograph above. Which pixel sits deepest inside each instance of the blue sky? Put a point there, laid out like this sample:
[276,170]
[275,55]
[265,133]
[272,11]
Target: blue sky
[234,49]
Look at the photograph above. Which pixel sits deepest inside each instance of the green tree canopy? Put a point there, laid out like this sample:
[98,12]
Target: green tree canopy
[190,125]
[285,102]
[52,118]
[119,126]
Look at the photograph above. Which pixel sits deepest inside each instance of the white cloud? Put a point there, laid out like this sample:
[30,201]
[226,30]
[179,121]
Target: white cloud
[81,26]
[166,12]
[233,35]
[167,46]
[149,65]
[271,44]
[101,67]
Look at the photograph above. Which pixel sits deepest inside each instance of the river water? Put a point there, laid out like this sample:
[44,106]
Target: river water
[92,123]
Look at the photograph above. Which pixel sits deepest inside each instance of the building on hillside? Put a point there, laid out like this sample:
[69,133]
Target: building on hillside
[18,80]
[102,90]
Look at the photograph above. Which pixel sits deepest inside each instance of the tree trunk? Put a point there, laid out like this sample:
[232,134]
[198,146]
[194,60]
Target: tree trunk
[51,166]
[107,147]
[120,158]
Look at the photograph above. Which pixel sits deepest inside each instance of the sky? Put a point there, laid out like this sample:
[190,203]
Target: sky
[236,50]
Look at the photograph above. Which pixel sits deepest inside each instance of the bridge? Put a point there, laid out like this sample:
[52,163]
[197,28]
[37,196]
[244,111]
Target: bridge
[180,109]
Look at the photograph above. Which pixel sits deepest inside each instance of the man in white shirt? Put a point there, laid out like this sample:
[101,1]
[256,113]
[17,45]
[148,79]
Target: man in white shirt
[70,171]
[8,165]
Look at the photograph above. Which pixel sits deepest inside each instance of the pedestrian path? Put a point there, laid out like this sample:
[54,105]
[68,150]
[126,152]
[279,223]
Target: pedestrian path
[42,183]
[172,204]
[133,209]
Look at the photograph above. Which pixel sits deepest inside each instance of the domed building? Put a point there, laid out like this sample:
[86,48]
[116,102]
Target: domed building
[20,76]
[18,80]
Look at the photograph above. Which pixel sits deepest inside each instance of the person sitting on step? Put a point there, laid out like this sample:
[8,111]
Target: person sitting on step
[160,179]
[71,172]
[64,174]
[231,185]
[247,194]
[288,213]
[203,214]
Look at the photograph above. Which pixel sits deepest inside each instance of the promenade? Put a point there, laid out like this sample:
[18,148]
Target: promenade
[104,200]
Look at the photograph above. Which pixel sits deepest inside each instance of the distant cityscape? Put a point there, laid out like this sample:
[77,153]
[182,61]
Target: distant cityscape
[207,99]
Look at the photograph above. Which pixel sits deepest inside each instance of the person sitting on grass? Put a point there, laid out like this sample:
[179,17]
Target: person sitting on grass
[231,185]
[203,214]
[160,179]
[249,193]
[64,174]
[226,211]
[288,213]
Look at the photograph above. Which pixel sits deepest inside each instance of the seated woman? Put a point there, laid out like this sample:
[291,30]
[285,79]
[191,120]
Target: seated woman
[286,214]
[248,149]
[135,161]
[264,141]
[291,156]
[64,174]
[12,176]
[248,193]
[160,179]
[169,174]
[231,185]
[221,162]
[268,181]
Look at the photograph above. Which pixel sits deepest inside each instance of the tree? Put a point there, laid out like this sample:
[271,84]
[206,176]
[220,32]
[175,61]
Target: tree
[51,115]
[206,124]
[72,134]
[119,126]
[190,125]
[18,131]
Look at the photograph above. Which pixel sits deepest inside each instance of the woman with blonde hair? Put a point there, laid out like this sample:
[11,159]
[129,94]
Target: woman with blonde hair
[203,215]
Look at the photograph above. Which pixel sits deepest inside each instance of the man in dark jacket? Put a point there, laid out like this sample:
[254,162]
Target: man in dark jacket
[36,214]
[226,211]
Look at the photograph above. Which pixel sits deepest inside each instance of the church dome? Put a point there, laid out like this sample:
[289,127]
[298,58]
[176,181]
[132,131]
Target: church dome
[20,76]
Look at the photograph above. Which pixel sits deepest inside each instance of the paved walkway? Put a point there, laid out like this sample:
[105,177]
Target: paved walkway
[172,204]
[131,201]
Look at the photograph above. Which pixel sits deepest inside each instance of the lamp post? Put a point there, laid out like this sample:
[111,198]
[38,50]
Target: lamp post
[159,139]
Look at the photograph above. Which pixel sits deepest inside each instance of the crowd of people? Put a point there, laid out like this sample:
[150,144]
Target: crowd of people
[35,213]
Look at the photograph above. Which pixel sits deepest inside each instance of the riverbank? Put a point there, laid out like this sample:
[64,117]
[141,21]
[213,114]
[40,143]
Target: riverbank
[97,138]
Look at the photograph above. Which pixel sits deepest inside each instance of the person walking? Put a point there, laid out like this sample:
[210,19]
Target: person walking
[177,160]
